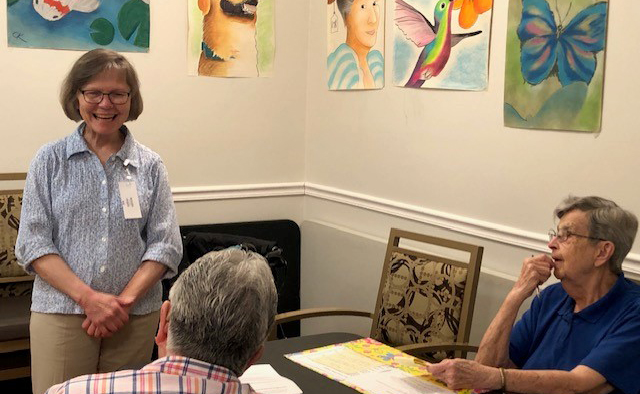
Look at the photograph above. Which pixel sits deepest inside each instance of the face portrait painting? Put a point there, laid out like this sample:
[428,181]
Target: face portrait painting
[355,53]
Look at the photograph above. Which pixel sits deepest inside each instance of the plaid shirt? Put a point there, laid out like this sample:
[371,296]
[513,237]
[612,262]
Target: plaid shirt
[174,374]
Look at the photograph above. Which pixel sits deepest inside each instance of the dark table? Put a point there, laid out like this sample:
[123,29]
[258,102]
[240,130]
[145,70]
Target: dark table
[309,381]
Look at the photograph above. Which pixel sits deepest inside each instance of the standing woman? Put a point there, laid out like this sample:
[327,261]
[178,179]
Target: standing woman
[98,229]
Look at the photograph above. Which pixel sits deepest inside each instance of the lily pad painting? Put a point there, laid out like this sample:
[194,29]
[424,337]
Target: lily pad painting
[121,25]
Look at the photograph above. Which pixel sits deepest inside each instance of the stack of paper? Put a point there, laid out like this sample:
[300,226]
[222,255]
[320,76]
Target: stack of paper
[265,380]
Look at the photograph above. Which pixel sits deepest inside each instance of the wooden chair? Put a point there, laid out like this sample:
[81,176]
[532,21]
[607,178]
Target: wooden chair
[15,287]
[425,300]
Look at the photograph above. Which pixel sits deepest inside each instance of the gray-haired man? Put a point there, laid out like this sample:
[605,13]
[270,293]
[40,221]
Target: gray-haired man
[212,328]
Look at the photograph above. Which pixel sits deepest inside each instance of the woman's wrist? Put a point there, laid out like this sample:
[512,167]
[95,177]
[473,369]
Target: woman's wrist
[82,297]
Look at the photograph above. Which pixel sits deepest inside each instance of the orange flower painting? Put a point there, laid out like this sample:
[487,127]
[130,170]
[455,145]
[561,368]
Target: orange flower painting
[470,9]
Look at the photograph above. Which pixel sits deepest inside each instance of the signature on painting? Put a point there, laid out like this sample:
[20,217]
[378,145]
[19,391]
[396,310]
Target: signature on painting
[17,35]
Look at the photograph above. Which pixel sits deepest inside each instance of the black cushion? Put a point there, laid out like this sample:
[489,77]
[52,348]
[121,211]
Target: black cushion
[14,323]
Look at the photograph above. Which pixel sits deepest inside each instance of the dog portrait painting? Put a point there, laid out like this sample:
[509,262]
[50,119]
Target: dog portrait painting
[231,38]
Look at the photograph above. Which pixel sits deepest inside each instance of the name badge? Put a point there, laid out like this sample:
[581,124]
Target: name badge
[130,202]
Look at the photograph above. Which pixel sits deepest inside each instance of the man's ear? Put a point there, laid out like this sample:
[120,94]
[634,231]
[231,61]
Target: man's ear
[256,356]
[163,329]
[205,6]
[605,251]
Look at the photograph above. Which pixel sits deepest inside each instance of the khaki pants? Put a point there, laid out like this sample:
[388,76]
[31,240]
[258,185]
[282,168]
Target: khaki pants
[61,349]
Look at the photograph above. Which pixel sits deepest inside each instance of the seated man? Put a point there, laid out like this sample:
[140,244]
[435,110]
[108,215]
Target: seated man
[212,328]
[580,335]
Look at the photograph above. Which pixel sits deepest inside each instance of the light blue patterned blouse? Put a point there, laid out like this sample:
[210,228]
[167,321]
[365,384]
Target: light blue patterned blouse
[343,71]
[71,207]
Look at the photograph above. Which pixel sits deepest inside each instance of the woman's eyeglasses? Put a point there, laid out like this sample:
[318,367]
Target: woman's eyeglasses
[563,235]
[96,96]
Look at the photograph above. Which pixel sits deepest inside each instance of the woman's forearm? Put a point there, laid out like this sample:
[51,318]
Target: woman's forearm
[147,275]
[494,347]
[55,271]
[581,379]
[103,310]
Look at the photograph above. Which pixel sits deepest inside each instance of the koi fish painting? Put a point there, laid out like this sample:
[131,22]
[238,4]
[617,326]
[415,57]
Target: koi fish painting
[121,25]
[53,10]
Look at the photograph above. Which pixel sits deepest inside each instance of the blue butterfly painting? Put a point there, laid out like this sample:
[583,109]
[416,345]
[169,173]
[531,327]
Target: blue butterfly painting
[549,48]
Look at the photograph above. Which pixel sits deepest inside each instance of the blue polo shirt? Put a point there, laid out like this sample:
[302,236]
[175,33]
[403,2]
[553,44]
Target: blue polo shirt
[605,336]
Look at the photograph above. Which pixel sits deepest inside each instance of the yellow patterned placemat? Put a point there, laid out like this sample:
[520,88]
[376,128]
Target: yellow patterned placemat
[358,363]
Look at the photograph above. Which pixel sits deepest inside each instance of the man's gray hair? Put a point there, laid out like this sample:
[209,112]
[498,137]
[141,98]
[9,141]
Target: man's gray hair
[222,308]
[606,221]
[344,6]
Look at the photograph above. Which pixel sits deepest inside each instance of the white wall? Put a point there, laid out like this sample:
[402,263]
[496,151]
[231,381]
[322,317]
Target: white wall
[209,131]
[442,163]
[449,150]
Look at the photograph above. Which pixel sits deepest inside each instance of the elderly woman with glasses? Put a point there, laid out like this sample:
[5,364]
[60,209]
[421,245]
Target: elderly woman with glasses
[580,335]
[98,229]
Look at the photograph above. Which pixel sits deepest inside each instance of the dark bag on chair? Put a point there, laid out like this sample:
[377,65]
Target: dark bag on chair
[197,244]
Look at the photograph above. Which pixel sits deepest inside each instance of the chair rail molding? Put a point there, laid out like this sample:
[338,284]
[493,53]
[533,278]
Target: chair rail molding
[461,224]
[234,192]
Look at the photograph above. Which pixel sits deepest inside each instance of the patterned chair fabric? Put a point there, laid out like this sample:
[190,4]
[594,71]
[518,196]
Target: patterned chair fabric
[421,302]
[10,206]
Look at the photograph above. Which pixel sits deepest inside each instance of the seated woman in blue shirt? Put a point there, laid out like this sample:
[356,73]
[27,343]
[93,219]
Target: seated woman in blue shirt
[580,335]
[98,229]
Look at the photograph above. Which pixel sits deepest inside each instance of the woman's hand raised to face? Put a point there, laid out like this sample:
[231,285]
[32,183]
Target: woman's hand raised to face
[535,271]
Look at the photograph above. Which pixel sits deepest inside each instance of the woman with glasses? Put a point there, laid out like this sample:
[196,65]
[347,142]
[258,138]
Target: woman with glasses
[581,335]
[98,229]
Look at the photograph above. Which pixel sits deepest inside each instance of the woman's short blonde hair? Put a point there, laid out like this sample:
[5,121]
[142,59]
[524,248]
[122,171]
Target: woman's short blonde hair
[87,67]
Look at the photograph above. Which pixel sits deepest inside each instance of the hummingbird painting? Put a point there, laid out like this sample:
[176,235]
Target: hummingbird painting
[436,38]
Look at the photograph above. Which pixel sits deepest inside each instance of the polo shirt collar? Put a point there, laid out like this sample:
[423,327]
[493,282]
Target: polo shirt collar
[77,144]
[596,310]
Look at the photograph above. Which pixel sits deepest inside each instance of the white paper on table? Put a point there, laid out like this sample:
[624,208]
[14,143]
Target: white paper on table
[266,380]
[395,381]
[338,362]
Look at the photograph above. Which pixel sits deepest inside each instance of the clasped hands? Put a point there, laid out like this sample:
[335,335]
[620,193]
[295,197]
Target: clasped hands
[106,313]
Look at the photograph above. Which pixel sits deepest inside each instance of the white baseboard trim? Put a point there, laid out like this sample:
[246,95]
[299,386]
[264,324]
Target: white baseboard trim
[460,224]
